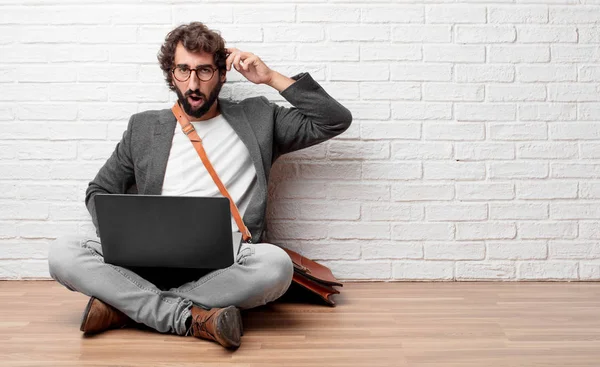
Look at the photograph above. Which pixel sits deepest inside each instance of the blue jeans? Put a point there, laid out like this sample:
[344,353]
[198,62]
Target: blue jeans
[261,274]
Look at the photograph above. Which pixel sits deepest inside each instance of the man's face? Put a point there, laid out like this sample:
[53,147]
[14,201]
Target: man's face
[196,96]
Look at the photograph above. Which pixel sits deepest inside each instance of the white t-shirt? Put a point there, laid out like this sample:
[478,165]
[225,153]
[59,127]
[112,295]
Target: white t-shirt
[187,176]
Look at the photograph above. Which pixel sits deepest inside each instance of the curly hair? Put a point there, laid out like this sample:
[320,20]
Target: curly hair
[195,37]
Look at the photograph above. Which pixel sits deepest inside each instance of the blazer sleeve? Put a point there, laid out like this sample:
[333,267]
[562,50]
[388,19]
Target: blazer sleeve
[115,176]
[315,117]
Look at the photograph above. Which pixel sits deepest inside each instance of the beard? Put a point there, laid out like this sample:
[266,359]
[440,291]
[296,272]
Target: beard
[204,107]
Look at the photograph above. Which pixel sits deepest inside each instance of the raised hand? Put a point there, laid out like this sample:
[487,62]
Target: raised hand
[249,65]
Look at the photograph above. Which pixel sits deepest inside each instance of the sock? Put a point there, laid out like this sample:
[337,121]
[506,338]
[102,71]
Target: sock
[188,323]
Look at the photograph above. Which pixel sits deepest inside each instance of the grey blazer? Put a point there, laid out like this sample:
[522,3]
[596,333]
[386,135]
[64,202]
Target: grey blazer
[139,161]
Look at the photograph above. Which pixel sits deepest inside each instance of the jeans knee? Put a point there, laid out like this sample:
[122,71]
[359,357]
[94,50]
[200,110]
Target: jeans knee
[279,269]
[61,257]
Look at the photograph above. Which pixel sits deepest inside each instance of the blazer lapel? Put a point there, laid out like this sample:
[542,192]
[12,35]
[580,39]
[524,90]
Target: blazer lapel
[162,140]
[235,115]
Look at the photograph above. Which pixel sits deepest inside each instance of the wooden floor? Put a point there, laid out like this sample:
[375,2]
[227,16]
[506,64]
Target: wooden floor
[375,324]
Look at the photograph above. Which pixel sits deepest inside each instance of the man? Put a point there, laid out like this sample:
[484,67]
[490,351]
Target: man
[154,157]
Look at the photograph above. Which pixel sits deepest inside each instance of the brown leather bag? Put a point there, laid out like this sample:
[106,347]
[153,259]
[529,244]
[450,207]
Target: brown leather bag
[308,274]
[314,277]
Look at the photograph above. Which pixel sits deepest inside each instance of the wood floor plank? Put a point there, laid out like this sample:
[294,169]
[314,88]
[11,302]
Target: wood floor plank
[413,324]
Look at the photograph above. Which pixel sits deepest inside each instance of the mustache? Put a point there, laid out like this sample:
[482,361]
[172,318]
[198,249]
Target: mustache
[195,93]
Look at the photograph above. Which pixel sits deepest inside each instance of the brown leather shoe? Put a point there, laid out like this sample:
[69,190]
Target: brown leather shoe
[223,325]
[99,316]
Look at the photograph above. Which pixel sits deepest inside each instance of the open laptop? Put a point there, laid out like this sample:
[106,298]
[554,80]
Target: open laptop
[155,231]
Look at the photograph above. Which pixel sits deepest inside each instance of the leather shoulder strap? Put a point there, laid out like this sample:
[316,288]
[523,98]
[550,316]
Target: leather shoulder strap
[188,129]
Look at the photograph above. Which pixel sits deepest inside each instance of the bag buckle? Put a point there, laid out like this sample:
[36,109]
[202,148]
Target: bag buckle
[302,268]
[187,129]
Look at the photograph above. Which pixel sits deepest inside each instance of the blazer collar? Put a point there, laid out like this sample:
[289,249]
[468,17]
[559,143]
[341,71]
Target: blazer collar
[163,139]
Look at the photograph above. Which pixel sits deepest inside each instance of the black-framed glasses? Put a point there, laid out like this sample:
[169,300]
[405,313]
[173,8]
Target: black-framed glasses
[204,72]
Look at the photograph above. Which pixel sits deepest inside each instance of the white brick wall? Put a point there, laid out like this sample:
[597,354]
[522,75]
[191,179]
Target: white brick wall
[474,152]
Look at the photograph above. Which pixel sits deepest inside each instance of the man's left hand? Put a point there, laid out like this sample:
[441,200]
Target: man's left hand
[249,65]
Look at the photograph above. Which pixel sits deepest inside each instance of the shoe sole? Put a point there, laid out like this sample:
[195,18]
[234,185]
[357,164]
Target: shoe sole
[230,326]
[86,313]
